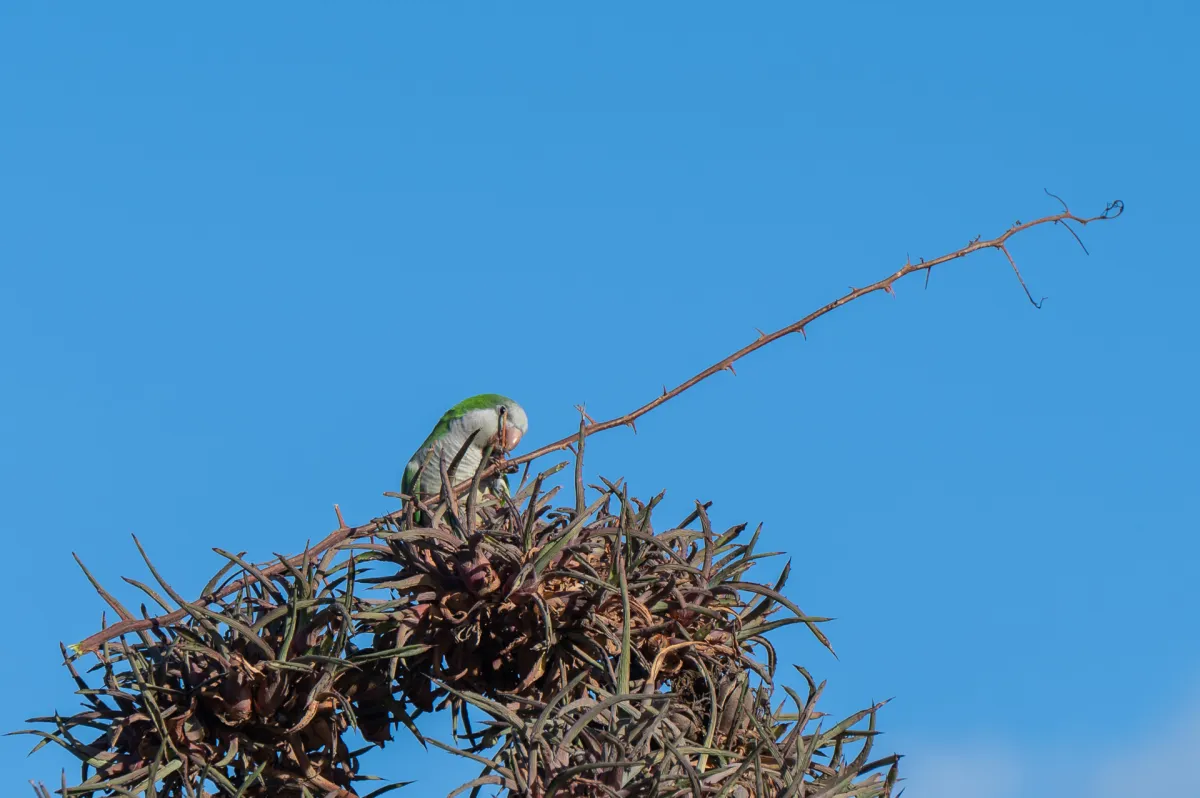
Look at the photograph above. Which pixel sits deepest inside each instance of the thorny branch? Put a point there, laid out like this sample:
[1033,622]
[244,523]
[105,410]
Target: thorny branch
[343,533]
[1113,210]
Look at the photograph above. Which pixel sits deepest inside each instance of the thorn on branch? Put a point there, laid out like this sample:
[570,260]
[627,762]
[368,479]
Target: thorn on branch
[731,369]
[630,423]
[888,287]
[928,272]
[1060,200]
[583,412]
[1036,303]
[802,332]
[761,334]
[1063,222]
[341,522]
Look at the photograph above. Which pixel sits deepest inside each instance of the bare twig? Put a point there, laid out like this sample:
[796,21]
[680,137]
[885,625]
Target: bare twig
[1112,211]
[1036,303]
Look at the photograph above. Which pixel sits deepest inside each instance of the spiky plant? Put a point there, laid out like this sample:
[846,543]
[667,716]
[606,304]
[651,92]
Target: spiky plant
[579,650]
[608,658]
[249,694]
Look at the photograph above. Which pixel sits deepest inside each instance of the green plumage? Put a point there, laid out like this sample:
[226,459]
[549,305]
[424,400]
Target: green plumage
[447,438]
[481,402]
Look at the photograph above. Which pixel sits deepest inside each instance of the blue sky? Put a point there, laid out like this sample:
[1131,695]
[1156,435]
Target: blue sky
[248,257]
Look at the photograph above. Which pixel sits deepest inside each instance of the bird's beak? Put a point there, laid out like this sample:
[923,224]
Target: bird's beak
[512,436]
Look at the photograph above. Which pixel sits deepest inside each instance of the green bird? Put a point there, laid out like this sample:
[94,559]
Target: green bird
[483,419]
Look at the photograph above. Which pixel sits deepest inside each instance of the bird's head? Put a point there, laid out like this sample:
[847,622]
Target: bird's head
[497,418]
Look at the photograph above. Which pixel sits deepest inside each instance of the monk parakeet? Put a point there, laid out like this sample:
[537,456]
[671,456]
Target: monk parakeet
[492,418]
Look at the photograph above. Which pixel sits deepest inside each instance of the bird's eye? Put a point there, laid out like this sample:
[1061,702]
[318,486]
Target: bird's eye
[503,410]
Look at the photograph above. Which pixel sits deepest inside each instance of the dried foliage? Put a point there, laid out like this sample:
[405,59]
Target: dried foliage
[579,651]
[609,659]
[251,694]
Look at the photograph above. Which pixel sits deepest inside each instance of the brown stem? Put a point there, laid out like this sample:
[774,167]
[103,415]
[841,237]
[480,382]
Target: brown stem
[1114,210]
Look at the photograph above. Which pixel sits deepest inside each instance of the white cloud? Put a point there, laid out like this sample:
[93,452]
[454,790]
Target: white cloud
[1163,760]
[962,771]
[1152,759]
